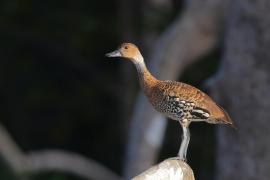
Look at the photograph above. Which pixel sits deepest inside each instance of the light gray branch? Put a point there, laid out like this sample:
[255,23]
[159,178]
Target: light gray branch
[58,160]
[11,153]
[50,160]
[190,36]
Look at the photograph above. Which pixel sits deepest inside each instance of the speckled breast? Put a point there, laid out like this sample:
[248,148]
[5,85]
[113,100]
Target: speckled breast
[168,103]
[175,108]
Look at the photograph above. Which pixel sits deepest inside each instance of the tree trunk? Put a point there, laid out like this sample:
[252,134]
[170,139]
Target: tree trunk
[243,87]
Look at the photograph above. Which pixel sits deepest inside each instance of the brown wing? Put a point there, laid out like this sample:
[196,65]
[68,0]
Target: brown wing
[199,98]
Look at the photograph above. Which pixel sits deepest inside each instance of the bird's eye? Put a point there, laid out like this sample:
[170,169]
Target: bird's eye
[126,47]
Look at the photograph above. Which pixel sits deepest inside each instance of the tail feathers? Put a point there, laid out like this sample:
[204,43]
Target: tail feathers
[226,119]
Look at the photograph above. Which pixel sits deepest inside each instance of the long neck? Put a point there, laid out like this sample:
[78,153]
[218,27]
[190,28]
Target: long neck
[146,79]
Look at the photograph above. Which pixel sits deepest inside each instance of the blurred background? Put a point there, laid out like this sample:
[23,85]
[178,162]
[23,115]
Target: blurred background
[59,92]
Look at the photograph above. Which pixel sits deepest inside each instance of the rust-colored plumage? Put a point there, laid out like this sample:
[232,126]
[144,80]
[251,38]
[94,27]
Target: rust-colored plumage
[176,100]
[199,101]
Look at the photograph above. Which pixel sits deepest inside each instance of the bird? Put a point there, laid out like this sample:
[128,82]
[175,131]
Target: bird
[175,100]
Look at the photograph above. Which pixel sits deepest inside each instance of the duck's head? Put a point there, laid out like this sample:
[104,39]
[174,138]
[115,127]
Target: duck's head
[128,51]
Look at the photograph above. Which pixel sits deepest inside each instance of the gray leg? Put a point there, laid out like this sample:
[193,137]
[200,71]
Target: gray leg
[198,120]
[185,140]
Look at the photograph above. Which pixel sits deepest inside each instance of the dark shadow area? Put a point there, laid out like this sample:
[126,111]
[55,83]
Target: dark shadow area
[58,90]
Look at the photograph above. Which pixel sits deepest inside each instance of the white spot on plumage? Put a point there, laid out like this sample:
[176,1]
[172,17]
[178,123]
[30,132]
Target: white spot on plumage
[206,115]
[199,111]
